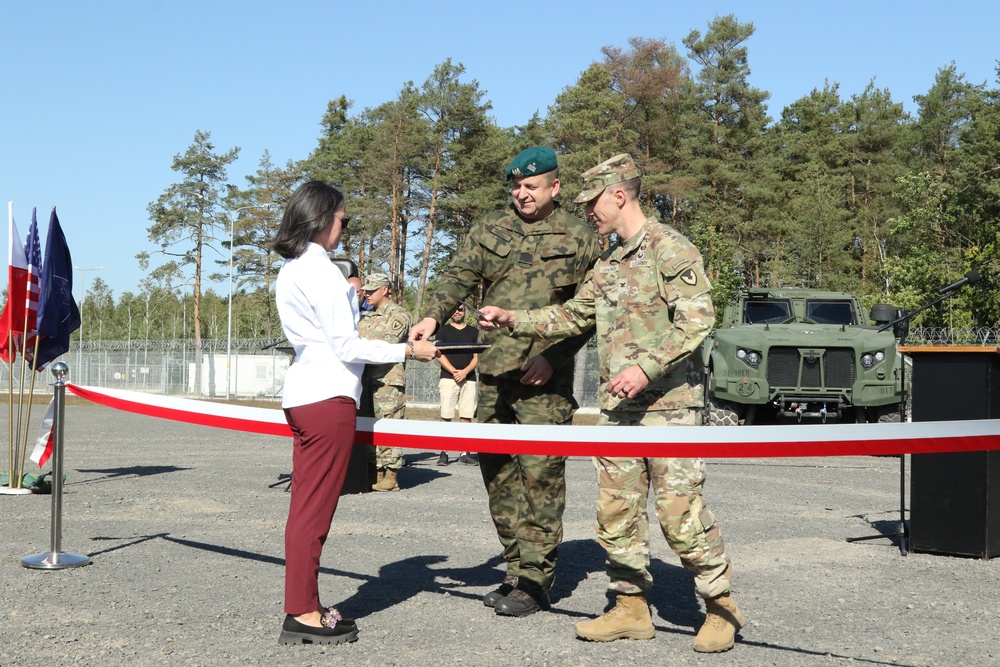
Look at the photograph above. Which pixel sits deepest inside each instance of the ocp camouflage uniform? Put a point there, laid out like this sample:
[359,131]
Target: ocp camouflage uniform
[530,264]
[387,382]
[649,298]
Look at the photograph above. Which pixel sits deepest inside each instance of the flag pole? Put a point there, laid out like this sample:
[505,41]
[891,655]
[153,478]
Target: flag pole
[31,396]
[20,416]
[55,559]
[10,407]
[11,489]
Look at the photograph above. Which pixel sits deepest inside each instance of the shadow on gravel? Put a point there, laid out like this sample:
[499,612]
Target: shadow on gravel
[673,594]
[129,471]
[826,655]
[397,582]
[577,560]
[884,528]
[412,476]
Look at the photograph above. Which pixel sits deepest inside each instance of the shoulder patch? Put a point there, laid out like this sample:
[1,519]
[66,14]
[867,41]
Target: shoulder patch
[689,277]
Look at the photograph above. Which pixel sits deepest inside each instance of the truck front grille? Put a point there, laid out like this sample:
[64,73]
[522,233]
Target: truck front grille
[836,365]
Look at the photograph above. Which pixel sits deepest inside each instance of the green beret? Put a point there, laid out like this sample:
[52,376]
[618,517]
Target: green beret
[614,170]
[531,162]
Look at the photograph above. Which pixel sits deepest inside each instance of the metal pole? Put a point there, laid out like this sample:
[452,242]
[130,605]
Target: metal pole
[55,559]
[83,273]
[229,317]
[229,324]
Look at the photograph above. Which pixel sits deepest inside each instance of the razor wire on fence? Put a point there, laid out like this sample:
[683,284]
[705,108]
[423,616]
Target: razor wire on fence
[949,337]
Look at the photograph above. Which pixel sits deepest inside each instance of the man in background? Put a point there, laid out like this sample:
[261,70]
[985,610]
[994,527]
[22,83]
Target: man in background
[457,385]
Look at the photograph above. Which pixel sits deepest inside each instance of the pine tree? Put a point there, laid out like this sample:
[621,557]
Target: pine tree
[186,217]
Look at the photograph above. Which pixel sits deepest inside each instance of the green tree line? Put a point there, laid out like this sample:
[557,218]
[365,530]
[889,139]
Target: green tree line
[839,192]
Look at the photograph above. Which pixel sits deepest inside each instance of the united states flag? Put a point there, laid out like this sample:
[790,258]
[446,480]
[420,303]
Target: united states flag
[33,253]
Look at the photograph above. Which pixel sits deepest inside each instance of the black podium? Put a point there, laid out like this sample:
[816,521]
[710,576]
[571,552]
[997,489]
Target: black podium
[361,466]
[955,497]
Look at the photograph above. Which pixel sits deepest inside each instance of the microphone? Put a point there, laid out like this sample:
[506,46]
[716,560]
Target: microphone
[970,278]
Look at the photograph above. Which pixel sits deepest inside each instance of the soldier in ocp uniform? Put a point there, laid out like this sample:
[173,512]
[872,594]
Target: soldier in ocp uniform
[532,254]
[649,298]
[386,382]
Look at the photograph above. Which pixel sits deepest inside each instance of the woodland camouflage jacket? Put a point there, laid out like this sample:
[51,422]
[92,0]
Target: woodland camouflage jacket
[523,264]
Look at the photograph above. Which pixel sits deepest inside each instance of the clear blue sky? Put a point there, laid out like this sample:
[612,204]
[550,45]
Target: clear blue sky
[97,97]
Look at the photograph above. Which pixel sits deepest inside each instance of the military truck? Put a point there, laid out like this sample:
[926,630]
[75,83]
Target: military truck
[793,354]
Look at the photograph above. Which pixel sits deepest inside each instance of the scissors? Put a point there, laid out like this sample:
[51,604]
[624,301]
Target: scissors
[480,314]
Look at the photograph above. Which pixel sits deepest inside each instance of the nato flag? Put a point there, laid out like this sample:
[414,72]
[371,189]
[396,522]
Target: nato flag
[58,315]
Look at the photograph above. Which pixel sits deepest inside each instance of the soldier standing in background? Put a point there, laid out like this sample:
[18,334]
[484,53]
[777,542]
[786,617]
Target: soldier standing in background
[649,298]
[532,254]
[387,382]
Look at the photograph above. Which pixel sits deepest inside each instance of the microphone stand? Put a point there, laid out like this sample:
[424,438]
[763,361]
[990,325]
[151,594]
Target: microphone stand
[903,530]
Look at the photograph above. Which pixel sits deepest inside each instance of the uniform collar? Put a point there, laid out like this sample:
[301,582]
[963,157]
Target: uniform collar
[629,245]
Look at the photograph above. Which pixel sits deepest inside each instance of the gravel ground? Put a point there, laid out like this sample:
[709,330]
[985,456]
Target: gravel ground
[185,537]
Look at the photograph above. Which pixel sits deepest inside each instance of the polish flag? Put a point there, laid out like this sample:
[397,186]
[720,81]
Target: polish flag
[12,318]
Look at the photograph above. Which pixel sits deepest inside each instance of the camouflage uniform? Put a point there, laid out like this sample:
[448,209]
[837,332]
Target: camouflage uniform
[386,382]
[532,264]
[649,298]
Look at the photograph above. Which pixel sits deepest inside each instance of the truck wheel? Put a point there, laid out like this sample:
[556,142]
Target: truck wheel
[888,414]
[722,412]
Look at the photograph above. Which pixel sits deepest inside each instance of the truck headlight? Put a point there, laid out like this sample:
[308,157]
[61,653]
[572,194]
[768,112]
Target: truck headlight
[751,358]
[871,359]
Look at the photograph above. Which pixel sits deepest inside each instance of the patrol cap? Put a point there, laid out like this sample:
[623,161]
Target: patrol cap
[374,281]
[531,162]
[613,170]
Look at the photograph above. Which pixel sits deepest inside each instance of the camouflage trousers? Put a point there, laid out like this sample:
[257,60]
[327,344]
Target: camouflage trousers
[390,403]
[527,494]
[687,523]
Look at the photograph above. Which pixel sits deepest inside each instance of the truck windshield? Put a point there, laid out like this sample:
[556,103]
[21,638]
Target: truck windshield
[830,312]
[770,311]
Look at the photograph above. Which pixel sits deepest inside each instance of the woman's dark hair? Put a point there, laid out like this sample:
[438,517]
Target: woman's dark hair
[310,208]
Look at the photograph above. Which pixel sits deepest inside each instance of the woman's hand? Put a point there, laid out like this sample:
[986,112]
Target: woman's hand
[424,350]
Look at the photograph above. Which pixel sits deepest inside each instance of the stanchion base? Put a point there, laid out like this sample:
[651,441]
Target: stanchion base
[54,561]
[7,491]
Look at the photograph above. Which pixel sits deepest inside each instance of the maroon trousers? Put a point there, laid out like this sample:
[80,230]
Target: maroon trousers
[323,437]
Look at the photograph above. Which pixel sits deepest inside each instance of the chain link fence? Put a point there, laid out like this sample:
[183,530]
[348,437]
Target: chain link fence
[256,367]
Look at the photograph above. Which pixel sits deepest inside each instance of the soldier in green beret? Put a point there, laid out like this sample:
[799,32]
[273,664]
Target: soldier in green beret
[386,382]
[533,254]
[649,298]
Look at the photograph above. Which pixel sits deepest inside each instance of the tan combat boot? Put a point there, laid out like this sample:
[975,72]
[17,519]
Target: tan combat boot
[388,482]
[629,619]
[722,619]
[379,474]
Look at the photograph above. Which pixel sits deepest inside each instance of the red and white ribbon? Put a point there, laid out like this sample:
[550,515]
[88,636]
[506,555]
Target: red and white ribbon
[618,441]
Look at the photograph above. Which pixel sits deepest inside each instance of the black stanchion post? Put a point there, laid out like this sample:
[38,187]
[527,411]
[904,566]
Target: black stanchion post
[56,559]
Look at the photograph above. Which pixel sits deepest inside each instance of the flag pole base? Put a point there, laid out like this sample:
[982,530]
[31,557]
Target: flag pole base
[7,491]
[54,561]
